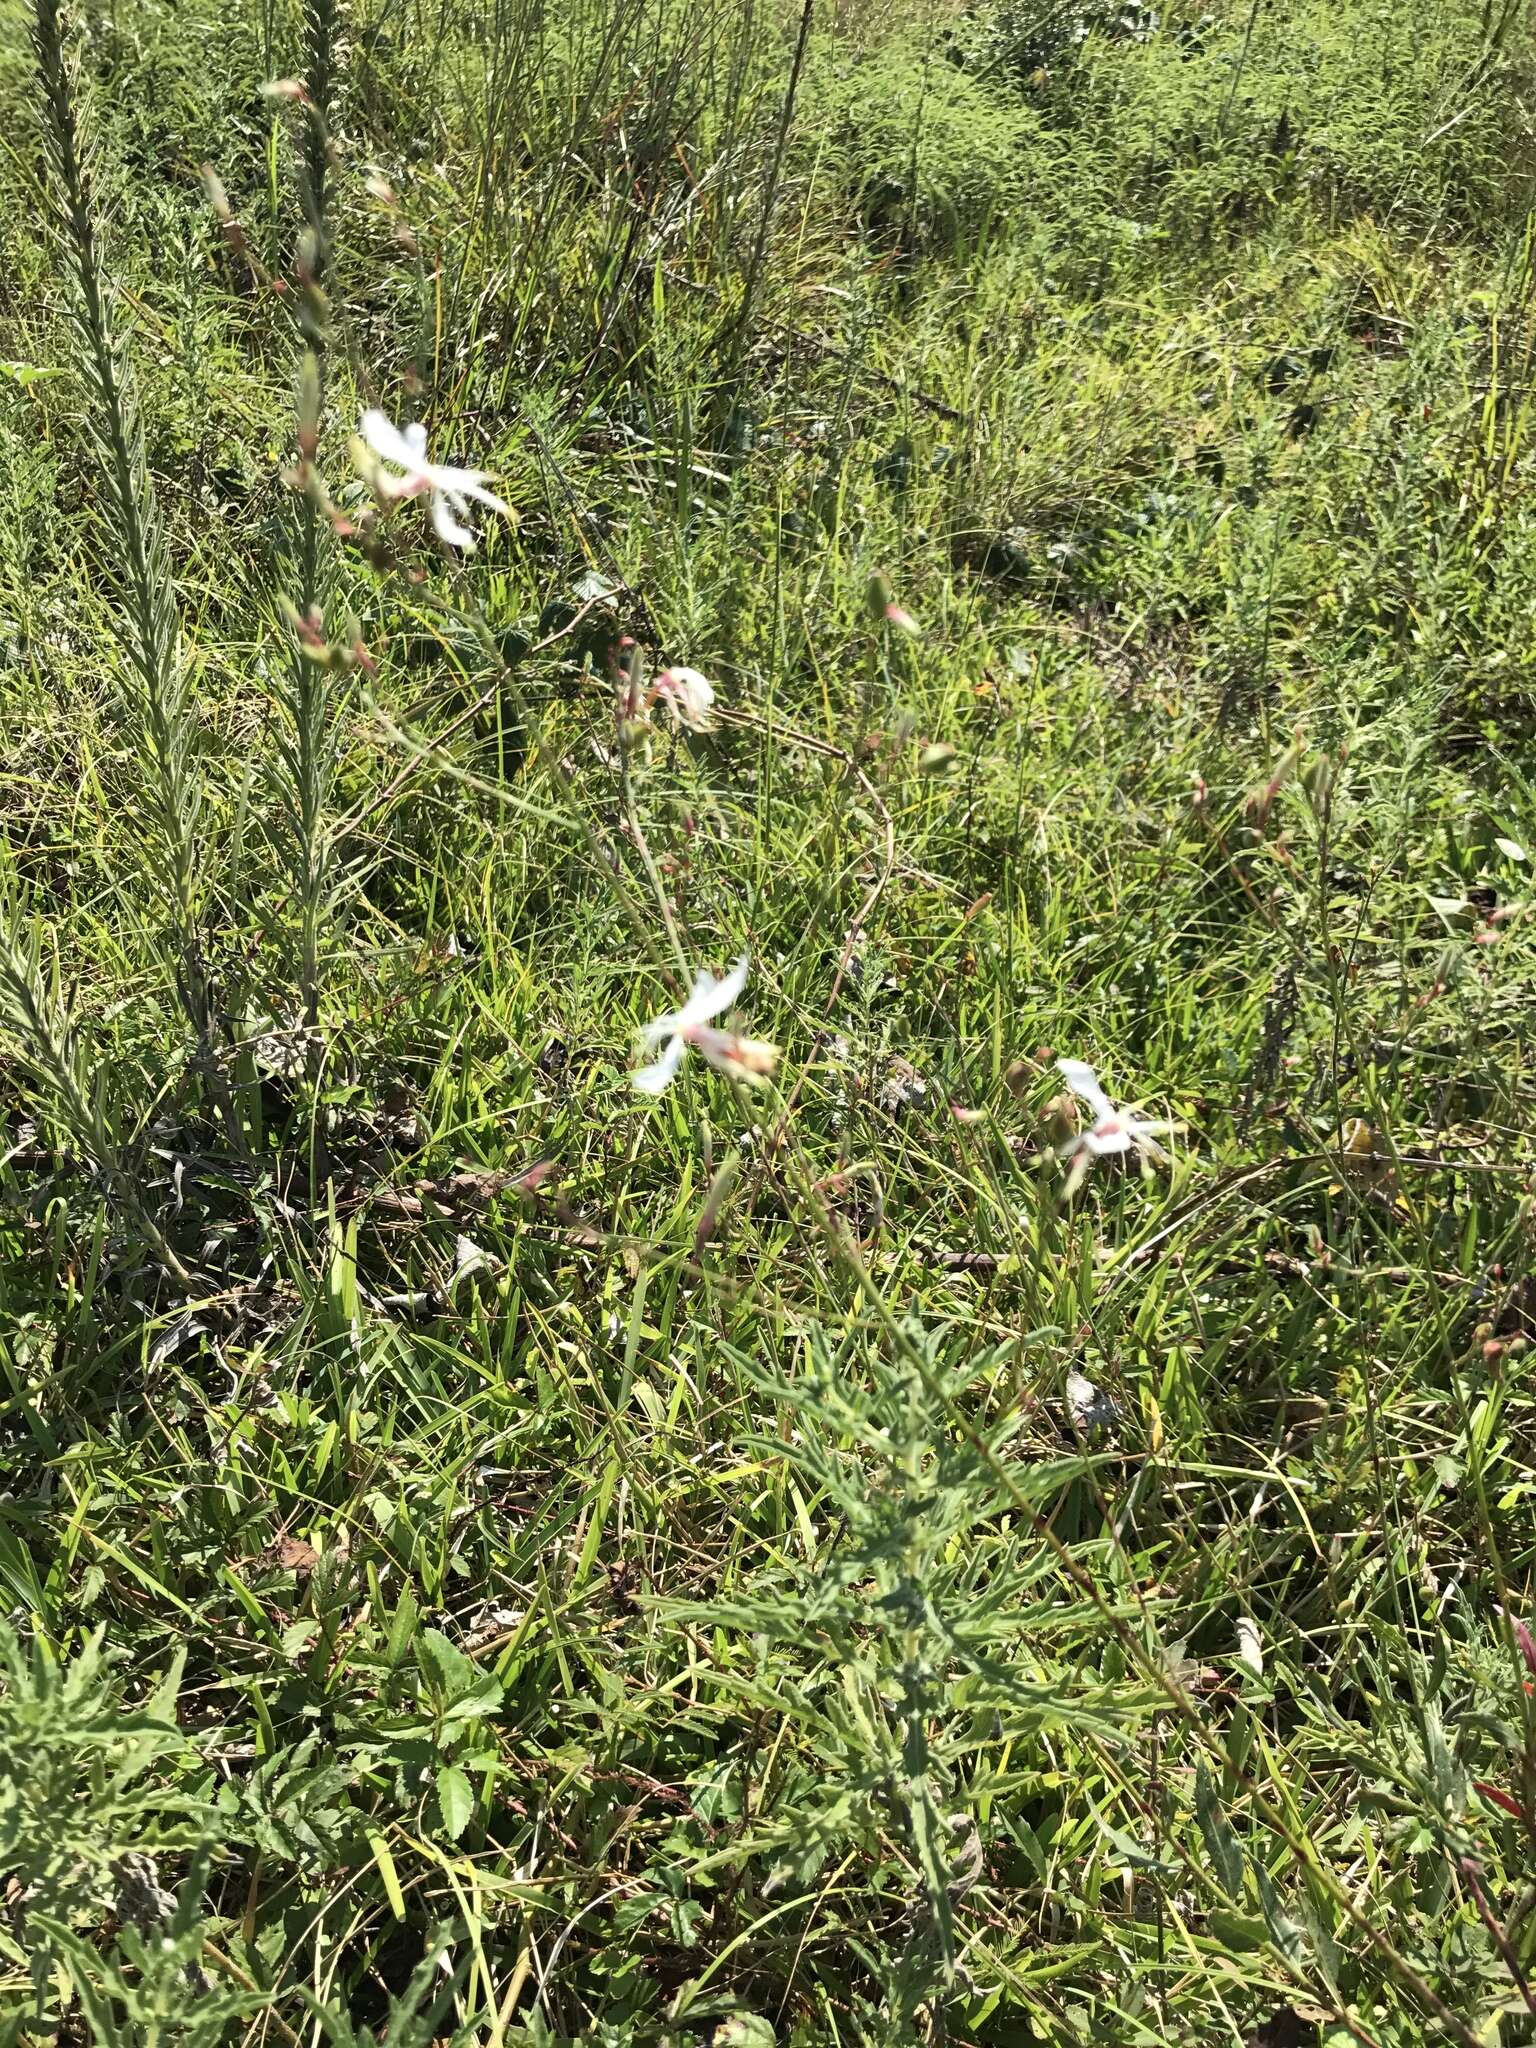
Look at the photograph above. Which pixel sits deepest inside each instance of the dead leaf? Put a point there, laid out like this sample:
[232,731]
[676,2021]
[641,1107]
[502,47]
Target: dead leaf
[967,1262]
[470,1188]
[1504,1800]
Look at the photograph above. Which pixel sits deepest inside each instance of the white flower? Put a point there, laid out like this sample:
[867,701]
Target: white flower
[686,694]
[449,489]
[1112,1129]
[748,1058]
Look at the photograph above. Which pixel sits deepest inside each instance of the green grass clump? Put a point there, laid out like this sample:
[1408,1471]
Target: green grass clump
[493,1556]
[1211,124]
[925,152]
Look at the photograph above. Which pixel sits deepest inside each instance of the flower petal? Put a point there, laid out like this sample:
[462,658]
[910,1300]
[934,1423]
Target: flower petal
[653,1079]
[446,526]
[687,694]
[472,483]
[711,998]
[387,441]
[660,1028]
[1142,1128]
[1084,1082]
[747,1059]
[1103,1143]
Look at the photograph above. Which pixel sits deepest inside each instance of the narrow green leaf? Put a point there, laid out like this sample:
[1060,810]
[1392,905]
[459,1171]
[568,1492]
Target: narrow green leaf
[387,1871]
[1220,1842]
[1284,1932]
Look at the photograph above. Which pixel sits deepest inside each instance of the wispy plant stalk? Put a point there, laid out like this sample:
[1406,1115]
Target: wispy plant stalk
[146,621]
[306,756]
[752,282]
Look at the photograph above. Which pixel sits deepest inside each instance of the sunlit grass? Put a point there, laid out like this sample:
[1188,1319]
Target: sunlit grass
[799,1556]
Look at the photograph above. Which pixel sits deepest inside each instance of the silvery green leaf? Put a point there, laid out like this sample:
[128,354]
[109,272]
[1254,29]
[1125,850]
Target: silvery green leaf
[1250,1645]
